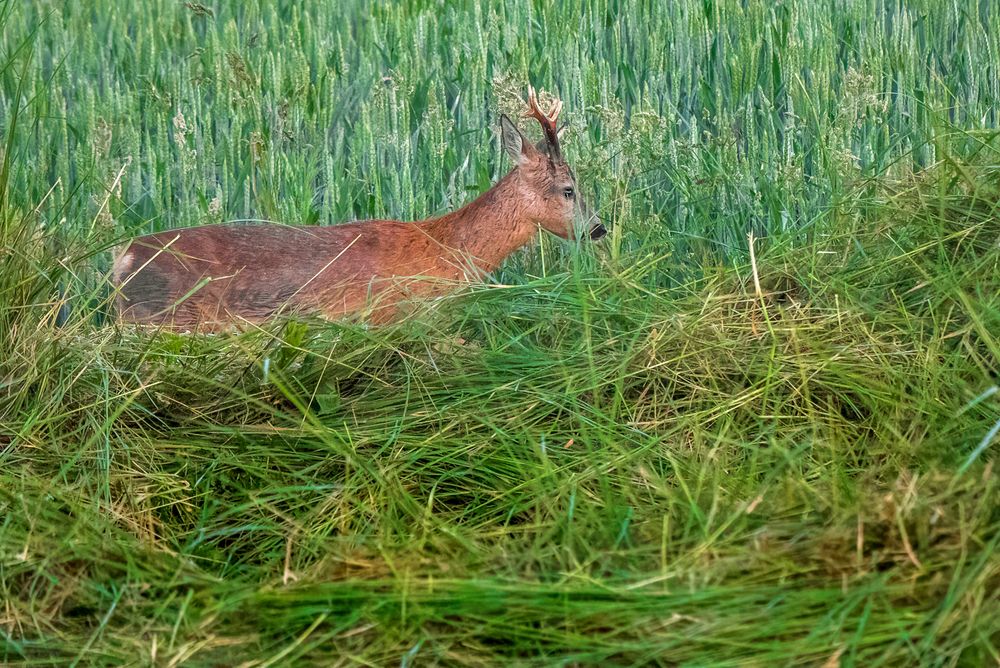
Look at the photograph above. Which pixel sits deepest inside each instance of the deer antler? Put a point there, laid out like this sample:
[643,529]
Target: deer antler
[547,121]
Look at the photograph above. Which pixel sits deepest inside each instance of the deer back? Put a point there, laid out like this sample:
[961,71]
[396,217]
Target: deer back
[218,274]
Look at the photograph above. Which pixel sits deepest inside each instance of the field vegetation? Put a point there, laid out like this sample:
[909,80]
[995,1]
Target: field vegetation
[756,425]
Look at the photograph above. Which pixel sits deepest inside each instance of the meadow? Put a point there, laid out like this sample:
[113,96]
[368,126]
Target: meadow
[755,425]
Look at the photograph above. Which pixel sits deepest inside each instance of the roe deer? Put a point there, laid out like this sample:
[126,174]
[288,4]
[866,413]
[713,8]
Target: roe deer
[216,276]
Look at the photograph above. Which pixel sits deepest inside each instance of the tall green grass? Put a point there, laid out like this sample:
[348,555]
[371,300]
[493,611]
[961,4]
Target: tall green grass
[662,449]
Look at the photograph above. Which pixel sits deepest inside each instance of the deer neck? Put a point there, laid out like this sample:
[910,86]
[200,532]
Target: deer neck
[488,229]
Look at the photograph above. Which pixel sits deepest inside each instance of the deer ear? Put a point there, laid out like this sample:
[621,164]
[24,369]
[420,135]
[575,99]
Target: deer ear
[543,145]
[514,142]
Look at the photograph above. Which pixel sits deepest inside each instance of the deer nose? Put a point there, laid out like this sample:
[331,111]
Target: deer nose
[598,231]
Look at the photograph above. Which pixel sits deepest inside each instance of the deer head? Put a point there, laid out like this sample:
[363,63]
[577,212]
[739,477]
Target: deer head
[543,178]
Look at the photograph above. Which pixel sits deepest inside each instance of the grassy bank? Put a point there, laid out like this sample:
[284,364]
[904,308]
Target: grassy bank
[660,449]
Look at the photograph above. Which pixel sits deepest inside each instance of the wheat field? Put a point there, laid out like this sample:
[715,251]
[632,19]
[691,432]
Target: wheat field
[755,425]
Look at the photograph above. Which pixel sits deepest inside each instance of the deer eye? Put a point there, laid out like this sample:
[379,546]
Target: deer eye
[568,192]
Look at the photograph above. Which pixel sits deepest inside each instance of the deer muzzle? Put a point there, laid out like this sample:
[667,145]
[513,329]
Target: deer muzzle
[598,231]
